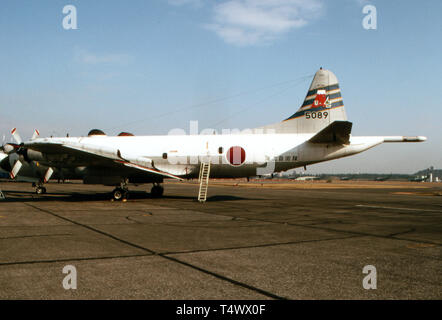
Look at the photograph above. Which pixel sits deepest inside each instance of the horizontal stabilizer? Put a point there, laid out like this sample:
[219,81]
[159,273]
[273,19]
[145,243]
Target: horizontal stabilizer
[336,132]
[404,139]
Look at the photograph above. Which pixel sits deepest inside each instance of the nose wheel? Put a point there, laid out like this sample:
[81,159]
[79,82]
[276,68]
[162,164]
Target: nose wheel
[39,189]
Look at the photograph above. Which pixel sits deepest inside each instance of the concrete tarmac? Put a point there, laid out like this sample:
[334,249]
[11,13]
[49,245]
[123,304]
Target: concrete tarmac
[257,240]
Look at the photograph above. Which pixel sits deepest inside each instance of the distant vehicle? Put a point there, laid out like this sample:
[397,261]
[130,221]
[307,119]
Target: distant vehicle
[318,131]
[345,178]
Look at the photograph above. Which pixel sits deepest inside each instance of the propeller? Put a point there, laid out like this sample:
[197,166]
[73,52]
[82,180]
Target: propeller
[10,147]
[35,135]
[16,136]
[18,154]
[48,174]
[6,148]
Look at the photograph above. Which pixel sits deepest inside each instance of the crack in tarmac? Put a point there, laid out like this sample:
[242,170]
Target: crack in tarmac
[152,252]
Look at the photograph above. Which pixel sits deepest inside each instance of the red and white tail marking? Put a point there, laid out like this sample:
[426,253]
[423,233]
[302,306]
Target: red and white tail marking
[320,99]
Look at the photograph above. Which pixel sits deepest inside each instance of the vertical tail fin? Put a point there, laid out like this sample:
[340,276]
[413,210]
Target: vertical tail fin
[322,105]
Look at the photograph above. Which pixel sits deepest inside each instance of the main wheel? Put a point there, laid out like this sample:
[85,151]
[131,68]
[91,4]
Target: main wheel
[157,191]
[118,194]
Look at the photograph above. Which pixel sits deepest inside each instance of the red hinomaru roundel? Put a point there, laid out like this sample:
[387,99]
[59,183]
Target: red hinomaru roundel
[236,156]
[321,99]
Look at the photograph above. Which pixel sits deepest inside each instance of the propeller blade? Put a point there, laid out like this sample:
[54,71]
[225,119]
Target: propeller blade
[48,174]
[35,135]
[15,169]
[16,136]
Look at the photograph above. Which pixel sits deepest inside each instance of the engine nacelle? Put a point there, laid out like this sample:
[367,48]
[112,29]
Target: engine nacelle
[32,155]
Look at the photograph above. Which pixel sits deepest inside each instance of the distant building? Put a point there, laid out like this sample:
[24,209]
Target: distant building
[429,175]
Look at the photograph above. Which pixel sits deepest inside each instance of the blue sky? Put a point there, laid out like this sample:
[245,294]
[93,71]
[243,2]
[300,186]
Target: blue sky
[150,66]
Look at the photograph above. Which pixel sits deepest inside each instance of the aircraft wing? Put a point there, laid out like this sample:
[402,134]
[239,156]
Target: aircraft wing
[146,169]
[92,156]
[335,132]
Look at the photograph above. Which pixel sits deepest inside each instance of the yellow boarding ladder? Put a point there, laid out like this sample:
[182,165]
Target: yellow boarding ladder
[204,181]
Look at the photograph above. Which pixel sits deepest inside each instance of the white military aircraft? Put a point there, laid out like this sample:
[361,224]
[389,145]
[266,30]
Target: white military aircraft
[317,132]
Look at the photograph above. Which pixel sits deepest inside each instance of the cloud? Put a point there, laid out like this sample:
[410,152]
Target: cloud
[85,57]
[257,22]
[196,3]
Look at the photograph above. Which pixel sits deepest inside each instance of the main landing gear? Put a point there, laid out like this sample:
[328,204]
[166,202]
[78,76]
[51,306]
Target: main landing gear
[121,192]
[157,190]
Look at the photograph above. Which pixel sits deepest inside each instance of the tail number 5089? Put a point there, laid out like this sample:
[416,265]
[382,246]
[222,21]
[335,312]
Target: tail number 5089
[316,115]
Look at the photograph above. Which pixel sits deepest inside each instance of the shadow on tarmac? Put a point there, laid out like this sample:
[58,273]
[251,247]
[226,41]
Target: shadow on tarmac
[225,198]
[28,196]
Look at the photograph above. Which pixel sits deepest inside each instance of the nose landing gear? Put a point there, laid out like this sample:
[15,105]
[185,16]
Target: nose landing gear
[39,189]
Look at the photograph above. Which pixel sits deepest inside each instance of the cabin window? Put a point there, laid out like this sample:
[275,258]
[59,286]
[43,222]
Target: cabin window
[164,155]
[287,158]
[281,158]
[220,150]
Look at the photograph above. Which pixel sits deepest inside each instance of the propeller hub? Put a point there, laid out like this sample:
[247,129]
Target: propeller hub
[7,148]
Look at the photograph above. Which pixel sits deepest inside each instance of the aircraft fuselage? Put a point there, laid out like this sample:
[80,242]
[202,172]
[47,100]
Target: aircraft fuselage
[236,155]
